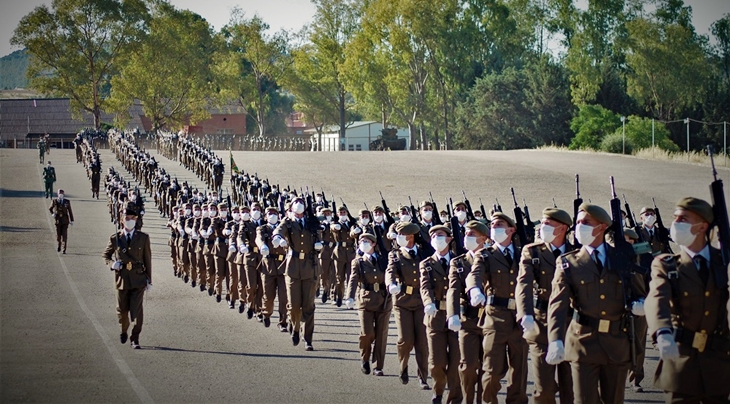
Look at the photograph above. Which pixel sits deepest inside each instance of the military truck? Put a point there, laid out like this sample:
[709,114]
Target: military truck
[388,140]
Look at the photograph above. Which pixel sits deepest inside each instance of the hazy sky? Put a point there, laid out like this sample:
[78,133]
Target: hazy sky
[288,14]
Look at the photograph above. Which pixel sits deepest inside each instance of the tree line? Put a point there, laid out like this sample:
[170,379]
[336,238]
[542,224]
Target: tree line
[472,74]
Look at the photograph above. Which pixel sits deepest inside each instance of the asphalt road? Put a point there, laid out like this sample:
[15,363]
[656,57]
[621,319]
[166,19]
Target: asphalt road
[58,329]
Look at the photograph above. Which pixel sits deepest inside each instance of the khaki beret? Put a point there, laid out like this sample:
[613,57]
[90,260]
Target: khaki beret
[558,215]
[698,206]
[441,227]
[404,207]
[503,216]
[478,226]
[187,204]
[326,209]
[597,213]
[369,236]
[631,233]
[272,209]
[196,206]
[364,212]
[342,208]
[459,203]
[646,209]
[426,203]
[256,205]
[407,228]
[210,205]
[378,209]
[297,198]
[234,208]
[222,205]
[245,207]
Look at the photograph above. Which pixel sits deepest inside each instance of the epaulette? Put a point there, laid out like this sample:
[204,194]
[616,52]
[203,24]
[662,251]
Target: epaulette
[485,253]
[535,244]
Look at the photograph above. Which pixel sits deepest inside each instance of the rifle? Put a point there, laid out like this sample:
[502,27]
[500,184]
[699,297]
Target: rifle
[458,236]
[529,225]
[414,213]
[719,209]
[388,218]
[576,206]
[349,215]
[555,205]
[497,206]
[519,221]
[469,212]
[436,218]
[642,247]
[324,199]
[662,233]
[481,209]
[448,208]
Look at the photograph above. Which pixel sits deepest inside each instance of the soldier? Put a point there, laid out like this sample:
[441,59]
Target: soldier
[301,271]
[231,233]
[251,261]
[272,273]
[402,278]
[220,252]
[95,168]
[462,316]
[42,149]
[326,262]
[191,224]
[183,257]
[63,214]
[49,177]
[443,344]
[367,285]
[241,244]
[344,252]
[597,340]
[649,232]
[172,242]
[128,254]
[686,311]
[505,351]
[537,268]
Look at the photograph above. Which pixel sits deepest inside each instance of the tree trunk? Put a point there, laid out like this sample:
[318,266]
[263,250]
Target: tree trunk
[412,136]
[422,132]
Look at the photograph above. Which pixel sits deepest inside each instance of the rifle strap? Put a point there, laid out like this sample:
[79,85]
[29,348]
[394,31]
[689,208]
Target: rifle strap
[535,254]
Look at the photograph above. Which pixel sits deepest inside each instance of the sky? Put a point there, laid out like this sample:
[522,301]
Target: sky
[290,14]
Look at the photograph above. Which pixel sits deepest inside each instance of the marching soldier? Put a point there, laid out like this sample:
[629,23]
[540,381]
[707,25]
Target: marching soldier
[42,149]
[95,168]
[63,215]
[494,274]
[220,253]
[251,261]
[49,177]
[597,340]
[344,252]
[326,262]
[443,344]
[687,314]
[367,285]
[649,232]
[272,273]
[183,257]
[402,278]
[128,254]
[537,268]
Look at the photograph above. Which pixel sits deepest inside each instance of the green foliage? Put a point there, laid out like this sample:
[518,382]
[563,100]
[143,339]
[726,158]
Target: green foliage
[638,132]
[13,68]
[591,125]
[614,143]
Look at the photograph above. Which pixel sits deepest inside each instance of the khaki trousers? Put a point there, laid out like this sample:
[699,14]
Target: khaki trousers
[129,308]
[505,354]
[411,334]
[594,383]
[443,362]
[274,286]
[254,289]
[470,369]
[221,274]
[374,328]
[242,283]
[300,293]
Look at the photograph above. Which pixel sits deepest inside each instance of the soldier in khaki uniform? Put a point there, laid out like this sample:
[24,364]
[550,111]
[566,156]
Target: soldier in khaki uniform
[403,280]
[367,285]
[231,232]
[241,243]
[649,231]
[491,283]
[251,260]
[687,314]
[128,254]
[208,238]
[220,252]
[344,252]
[301,275]
[272,271]
[326,262]
[597,341]
[63,215]
[537,268]
[462,316]
[443,344]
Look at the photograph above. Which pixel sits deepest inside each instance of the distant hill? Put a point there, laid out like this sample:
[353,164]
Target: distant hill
[13,68]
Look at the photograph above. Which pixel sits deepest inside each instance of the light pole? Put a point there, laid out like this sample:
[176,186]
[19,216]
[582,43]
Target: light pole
[686,120]
[623,134]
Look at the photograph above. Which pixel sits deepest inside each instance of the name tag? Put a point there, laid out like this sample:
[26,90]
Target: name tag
[604,326]
[442,305]
[699,342]
[376,287]
[409,290]
[129,266]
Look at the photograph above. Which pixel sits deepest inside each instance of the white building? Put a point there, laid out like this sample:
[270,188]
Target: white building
[357,136]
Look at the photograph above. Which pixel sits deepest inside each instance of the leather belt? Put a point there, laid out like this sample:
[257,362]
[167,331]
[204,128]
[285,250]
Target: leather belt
[503,302]
[702,341]
[602,325]
[220,240]
[342,244]
[374,287]
[541,305]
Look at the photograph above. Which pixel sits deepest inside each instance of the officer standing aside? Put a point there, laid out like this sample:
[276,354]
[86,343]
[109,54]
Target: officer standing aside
[687,313]
[63,215]
[49,177]
[128,254]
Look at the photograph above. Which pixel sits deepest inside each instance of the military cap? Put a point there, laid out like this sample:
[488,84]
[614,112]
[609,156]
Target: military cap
[441,227]
[478,226]
[211,205]
[698,206]
[131,210]
[378,209]
[364,212]
[646,209]
[244,207]
[558,215]
[187,204]
[404,207]
[234,208]
[407,228]
[272,209]
[631,233]
[222,205]
[256,205]
[326,209]
[459,203]
[298,198]
[500,215]
[369,236]
[60,191]
[426,203]
[196,206]
[443,212]
[596,212]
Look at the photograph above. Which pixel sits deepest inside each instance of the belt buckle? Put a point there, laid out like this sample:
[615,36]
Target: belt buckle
[281,257]
[129,266]
[604,326]
[255,249]
[301,256]
[409,290]
[343,244]
[511,304]
[699,341]
[442,305]
[376,287]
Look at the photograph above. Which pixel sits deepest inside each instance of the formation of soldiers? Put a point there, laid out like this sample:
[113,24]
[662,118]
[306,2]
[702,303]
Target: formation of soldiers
[473,292]
[87,154]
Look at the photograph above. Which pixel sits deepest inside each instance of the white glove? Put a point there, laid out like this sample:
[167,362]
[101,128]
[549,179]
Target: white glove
[195,236]
[53,214]
[188,230]
[336,226]
[454,323]
[243,249]
[276,241]
[117,265]
[318,246]
[529,328]
[667,347]
[148,288]
[231,248]
[72,223]
[392,236]
[357,230]
[226,232]
[394,288]
[350,303]
[477,297]
[264,250]
[181,230]
[282,243]
[430,309]
[555,353]
[637,308]
[141,213]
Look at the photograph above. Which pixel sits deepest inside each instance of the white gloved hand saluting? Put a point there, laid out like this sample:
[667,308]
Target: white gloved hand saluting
[454,323]
[117,265]
[477,298]
[667,347]
[430,309]
[555,353]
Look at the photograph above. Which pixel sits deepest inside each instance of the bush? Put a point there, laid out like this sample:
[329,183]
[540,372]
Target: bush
[639,131]
[591,125]
[613,143]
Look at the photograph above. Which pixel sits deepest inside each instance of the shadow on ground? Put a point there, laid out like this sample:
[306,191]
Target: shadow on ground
[13,193]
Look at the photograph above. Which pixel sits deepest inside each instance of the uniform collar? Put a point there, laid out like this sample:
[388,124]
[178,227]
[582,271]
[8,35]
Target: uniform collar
[561,248]
[510,248]
[601,250]
[704,252]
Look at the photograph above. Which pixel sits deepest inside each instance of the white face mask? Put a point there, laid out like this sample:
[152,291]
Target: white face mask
[318,199]
[365,221]
[236,216]
[129,224]
[498,234]
[584,234]
[272,219]
[681,233]
[212,214]
[60,197]
[246,216]
[402,240]
[378,218]
[298,208]
[205,213]
[405,218]
[187,212]
[196,213]
[461,215]
[546,232]
[329,218]
[223,214]
[439,243]
[255,214]
[649,220]
[365,247]
[427,215]
[444,219]
[470,243]
[343,218]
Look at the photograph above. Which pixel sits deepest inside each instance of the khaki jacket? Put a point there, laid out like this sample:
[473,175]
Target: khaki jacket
[272,265]
[364,276]
[434,288]
[404,269]
[136,258]
[62,210]
[301,256]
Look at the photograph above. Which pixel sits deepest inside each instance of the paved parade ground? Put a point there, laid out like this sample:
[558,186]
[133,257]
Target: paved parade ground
[59,338]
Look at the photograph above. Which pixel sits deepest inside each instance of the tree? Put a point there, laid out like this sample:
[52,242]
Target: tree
[591,125]
[170,74]
[75,47]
